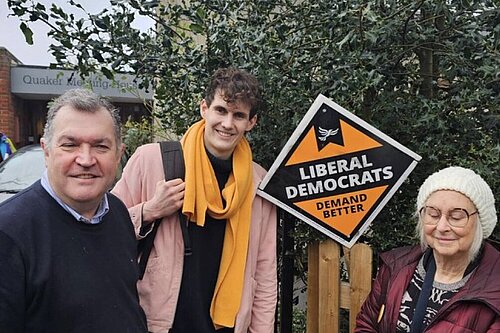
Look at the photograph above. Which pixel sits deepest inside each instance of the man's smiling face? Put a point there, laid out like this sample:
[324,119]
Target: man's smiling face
[226,124]
[82,157]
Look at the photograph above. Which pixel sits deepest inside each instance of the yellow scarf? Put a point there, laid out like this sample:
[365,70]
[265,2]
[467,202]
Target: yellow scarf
[202,196]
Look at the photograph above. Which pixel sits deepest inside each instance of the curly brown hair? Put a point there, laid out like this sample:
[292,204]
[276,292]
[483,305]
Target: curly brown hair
[235,85]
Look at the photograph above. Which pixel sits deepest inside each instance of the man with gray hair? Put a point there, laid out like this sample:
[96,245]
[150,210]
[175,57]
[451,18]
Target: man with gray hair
[68,248]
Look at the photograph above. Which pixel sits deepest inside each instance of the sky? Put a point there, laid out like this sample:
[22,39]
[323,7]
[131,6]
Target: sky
[13,39]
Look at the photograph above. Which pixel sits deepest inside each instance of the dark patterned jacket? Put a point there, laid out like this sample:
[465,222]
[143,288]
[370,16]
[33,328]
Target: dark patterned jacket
[475,308]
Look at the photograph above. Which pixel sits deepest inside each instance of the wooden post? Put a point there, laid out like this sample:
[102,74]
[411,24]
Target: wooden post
[360,279]
[329,286]
[326,294]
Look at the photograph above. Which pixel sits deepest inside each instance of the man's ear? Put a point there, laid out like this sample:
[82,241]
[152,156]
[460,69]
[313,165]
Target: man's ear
[203,108]
[251,123]
[45,148]
[121,151]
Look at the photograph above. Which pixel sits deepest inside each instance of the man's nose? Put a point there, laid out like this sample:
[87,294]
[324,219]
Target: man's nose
[227,121]
[85,156]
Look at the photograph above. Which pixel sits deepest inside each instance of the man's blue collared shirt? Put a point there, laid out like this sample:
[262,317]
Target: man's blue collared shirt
[103,206]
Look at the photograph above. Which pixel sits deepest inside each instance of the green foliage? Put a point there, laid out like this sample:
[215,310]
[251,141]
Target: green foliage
[299,321]
[136,133]
[28,34]
[423,72]
[146,130]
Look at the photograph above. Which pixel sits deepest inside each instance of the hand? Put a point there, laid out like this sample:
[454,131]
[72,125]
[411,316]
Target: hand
[167,200]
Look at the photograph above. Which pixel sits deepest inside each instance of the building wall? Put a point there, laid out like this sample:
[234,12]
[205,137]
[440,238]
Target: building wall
[25,92]
[9,121]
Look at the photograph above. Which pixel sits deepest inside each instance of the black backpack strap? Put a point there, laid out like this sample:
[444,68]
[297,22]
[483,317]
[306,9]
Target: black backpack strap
[173,161]
[173,167]
[144,247]
[423,298]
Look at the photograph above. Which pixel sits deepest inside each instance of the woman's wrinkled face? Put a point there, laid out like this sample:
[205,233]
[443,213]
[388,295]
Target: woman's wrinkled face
[448,240]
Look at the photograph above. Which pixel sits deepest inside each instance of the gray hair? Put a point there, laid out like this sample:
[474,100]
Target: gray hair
[82,100]
[477,242]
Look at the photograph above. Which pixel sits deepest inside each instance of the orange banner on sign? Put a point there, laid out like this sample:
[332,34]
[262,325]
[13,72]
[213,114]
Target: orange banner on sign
[354,141]
[343,212]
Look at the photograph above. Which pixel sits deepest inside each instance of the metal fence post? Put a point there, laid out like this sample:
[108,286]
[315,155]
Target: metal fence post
[286,278]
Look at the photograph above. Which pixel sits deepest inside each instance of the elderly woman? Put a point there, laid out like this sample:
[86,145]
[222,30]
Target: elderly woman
[451,282]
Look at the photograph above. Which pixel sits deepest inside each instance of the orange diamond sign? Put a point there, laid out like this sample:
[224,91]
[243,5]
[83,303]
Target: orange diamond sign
[337,172]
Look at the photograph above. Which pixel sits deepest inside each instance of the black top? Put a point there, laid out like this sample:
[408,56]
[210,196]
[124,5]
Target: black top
[201,269]
[59,275]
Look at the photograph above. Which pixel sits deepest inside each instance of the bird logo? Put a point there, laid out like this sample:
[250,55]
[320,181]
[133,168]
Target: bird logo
[325,133]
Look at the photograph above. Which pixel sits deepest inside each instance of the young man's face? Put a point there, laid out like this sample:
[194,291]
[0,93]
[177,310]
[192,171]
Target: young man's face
[226,124]
[83,157]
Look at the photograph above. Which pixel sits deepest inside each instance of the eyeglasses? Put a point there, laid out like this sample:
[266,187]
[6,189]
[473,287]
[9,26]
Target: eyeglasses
[458,217]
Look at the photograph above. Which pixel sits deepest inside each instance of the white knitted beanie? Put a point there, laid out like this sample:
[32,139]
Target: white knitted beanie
[468,183]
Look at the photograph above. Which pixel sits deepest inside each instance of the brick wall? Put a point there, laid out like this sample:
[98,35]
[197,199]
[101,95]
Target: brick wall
[8,119]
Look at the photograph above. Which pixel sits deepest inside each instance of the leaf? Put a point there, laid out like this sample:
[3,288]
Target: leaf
[116,63]
[345,39]
[73,3]
[100,23]
[28,34]
[97,55]
[66,43]
[196,28]
[200,12]
[107,73]
[40,7]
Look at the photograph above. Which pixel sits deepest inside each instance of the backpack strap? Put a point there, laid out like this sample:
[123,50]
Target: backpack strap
[423,299]
[173,167]
[173,161]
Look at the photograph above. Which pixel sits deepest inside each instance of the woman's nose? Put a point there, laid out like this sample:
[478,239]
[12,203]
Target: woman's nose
[443,223]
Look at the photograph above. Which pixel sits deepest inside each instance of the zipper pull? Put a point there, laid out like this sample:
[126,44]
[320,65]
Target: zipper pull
[381,313]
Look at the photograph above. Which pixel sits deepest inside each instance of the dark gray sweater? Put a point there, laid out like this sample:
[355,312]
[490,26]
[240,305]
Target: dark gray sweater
[59,275]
